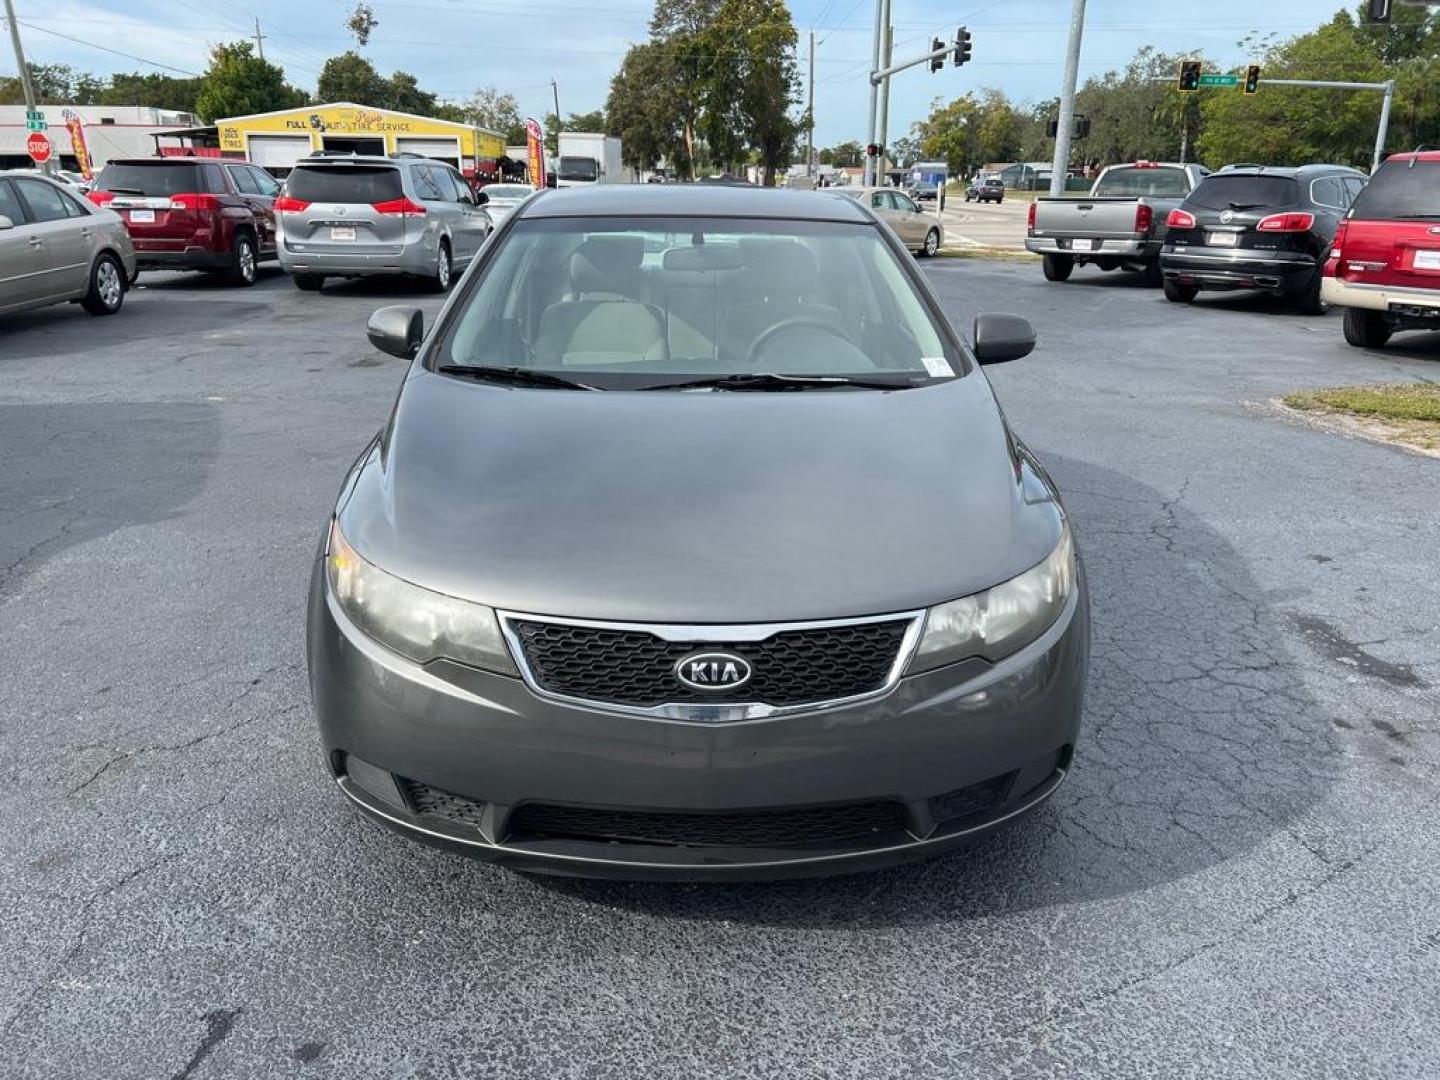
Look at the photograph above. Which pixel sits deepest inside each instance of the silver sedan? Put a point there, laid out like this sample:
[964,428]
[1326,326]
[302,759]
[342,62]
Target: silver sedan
[500,199]
[57,246]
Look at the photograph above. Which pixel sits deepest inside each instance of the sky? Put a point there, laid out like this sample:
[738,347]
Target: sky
[455,46]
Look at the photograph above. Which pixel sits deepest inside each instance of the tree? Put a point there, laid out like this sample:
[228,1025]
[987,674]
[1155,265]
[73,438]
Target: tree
[904,151]
[846,155]
[648,128]
[489,108]
[403,94]
[769,79]
[238,83]
[147,88]
[971,131]
[361,22]
[351,77]
[588,121]
[54,84]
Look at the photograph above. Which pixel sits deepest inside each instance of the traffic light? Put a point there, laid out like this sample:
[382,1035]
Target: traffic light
[1252,79]
[1052,128]
[872,150]
[963,49]
[1189,76]
[1378,11]
[1082,127]
[936,62]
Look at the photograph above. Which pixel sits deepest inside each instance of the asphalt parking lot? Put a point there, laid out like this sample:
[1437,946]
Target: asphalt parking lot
[1238,881]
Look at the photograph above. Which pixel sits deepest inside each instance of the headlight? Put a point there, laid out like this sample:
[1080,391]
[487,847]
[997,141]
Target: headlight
[997,622]
[414,622]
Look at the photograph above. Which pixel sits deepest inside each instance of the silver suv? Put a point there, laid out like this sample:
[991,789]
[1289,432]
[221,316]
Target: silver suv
[356,216]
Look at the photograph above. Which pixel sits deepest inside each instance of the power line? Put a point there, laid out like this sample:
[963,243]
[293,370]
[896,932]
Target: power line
[106,48]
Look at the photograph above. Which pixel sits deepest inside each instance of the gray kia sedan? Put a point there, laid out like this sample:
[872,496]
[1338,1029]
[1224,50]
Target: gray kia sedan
[678,558]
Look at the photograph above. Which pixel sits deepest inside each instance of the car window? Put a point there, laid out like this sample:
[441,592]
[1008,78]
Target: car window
[427,186]
[1136,180]
[263,180]
[1353,186]
[878,201]
[244,181]
[460,190]
[1328,191]
[1228,191]
[46,203]
[904,202]
[10,204]
[345,183]
[214,181]
[1400,190]
[619,302]
[161,178]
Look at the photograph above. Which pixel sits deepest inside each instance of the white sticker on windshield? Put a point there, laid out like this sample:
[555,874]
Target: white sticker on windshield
[937,366]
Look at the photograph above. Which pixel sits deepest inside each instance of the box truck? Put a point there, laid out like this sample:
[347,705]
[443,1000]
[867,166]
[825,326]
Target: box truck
[588,158]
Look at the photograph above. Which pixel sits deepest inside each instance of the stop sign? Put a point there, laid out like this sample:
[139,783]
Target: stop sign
[38,146]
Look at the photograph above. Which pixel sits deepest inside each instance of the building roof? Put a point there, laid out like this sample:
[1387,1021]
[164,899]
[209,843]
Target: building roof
[692,200]
[305,110]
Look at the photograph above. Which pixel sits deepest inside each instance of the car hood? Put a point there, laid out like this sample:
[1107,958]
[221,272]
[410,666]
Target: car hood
[699,507]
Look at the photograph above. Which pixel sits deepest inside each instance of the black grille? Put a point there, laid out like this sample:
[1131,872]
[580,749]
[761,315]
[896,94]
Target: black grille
[429,800]
[785,828]
[634,667]
[975,799]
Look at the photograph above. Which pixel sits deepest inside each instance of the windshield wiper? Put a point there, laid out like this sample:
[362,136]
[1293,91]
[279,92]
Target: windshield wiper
[765,380]
[515,376]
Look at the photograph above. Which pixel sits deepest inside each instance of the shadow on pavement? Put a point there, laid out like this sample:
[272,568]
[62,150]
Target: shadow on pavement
[1200,742]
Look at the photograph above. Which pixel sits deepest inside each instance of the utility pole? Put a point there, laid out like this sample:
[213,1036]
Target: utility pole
[882,160]
[1066,118]
[259,39]
[810,113]
[27,88]
[874,89]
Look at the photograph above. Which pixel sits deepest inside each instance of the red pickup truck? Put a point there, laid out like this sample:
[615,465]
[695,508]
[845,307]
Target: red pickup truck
[193,213]
[1384,267]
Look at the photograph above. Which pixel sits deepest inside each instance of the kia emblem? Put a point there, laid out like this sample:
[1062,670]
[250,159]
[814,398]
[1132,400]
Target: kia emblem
[713,671]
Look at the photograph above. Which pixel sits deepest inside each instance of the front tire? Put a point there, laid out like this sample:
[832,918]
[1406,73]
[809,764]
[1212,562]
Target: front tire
[444,270]
[932,244]
[107,287]
[1058,267]
[1177,293]
[243,262]
[1366,329]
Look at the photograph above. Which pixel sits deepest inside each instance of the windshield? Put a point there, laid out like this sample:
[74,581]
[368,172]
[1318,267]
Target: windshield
[1400,190]
[157,179]
[344,183]
[1242,192]
[1135,181]
[578,168]
[627,303]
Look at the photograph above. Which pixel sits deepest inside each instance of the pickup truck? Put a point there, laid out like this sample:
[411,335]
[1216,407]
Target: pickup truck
[1119,225]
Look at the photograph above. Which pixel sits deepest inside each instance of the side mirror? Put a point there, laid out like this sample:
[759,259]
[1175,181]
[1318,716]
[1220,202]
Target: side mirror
[397,331]
[999,338]
[481,198]
[6,223]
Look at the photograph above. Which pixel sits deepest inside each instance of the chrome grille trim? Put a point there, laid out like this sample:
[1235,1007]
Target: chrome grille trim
[710,633]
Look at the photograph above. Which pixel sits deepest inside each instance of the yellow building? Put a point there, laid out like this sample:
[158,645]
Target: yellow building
[276,140]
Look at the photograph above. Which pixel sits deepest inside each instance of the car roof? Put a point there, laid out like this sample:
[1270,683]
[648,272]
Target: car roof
[1293,171]
[30,174]
[1428,156]
[693,200]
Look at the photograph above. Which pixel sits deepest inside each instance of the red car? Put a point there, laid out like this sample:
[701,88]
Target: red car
[1384,268]
[193,213]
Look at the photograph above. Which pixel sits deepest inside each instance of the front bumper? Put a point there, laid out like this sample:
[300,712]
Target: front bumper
[1237,268]
[1400,300]
[952,752]
[1100,247]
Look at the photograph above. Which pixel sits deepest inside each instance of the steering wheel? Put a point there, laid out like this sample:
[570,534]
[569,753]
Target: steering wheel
[811,322]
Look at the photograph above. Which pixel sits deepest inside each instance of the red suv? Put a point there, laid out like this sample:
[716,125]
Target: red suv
[192,213]
[1384,268]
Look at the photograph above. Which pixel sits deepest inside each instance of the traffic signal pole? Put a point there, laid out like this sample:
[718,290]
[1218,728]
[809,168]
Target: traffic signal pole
[874,88]
[884,132]
[1387,88]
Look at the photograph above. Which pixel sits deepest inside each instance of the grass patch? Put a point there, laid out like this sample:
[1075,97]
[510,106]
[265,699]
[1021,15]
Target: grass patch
[994,254]
[1403,413]
[1399,401]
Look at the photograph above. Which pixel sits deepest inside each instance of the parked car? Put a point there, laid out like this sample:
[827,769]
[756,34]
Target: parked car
[679,559]
[213,214]
[924,191]
[990,189]
[1255,227]
[358,216]
[500,199]
[919,231]
[1384,268]
[1119,225]
[55,246]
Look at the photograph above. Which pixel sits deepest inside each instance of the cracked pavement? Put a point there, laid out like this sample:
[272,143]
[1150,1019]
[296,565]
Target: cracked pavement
[1238,881]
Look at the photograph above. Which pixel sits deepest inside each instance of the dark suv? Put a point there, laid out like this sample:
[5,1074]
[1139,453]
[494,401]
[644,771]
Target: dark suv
[1385,266]
[193,214]
[1254,227]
